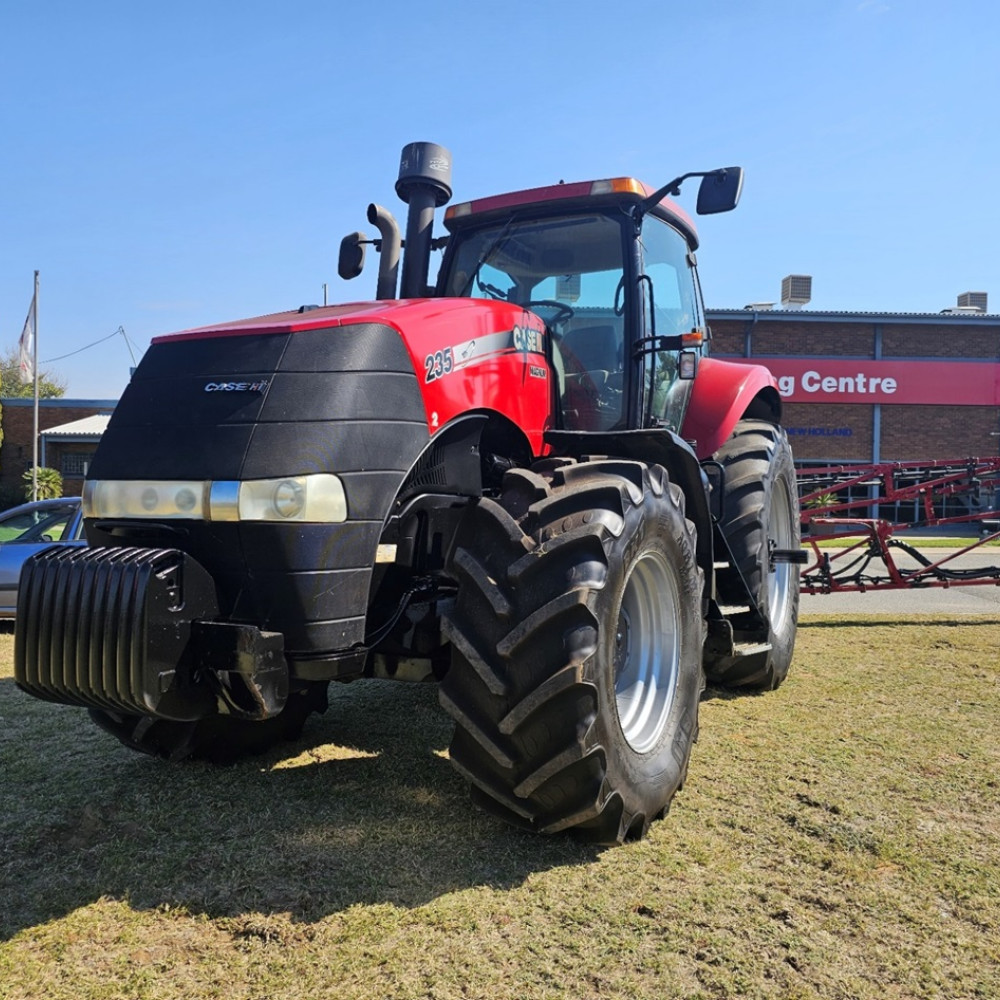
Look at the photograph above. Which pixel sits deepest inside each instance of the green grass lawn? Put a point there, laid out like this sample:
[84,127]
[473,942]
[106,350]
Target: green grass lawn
[837,838]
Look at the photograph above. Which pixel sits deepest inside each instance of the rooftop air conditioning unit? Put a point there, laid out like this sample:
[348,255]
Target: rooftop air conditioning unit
[796,291]
[972,300]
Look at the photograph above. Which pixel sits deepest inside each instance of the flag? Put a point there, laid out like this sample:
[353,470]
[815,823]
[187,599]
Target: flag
[26,348]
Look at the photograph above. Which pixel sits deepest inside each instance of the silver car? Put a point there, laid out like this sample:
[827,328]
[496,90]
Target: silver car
[28,529]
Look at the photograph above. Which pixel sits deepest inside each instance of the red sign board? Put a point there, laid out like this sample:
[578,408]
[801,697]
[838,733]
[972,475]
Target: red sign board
[941,383]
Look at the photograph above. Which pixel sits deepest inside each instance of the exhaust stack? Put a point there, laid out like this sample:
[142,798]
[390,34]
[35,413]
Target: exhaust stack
[388,261]
[424,184]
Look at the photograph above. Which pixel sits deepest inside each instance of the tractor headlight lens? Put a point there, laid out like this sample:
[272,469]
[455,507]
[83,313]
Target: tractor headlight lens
[289,498]
[318,498]
[186,500]
[293,498]
[125,498]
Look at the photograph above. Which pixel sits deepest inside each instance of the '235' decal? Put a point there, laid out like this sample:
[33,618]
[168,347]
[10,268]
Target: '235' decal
[438,364]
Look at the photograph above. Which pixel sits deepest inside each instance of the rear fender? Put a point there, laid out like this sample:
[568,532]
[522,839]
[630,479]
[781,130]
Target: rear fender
[723,393]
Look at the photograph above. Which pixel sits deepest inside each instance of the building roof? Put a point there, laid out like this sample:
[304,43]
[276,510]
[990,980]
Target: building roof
[61,402]
[88,427]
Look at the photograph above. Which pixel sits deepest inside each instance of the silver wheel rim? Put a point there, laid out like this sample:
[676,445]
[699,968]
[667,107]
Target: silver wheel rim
[647,652]
[779,580]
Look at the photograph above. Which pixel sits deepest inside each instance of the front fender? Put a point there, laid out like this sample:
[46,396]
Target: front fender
[722,394]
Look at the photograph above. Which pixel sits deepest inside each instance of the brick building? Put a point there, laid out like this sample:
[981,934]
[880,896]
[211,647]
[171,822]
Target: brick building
[874,387]
[68,449]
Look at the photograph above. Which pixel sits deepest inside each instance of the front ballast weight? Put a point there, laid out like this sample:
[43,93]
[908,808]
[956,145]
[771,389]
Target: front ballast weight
[130,631]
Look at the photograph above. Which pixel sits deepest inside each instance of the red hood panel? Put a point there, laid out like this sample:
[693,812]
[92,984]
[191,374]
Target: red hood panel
[390,311]
[468,355]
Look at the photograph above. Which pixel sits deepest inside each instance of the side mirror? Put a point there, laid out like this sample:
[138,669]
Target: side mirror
[351,261]
[720,191]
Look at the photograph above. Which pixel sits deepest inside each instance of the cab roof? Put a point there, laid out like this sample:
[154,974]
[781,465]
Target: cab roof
[586,194]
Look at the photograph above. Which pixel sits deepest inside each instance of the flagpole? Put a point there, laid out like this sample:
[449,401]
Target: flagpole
[34,456]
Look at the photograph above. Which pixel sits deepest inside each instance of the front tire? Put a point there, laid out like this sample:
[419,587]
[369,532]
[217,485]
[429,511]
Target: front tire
[576,648]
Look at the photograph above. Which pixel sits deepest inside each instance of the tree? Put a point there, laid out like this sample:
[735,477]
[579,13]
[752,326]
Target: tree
[50,385]
[50,484]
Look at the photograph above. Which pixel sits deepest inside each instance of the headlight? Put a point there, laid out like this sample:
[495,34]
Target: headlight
[317,498]
[293,498]
[161,499]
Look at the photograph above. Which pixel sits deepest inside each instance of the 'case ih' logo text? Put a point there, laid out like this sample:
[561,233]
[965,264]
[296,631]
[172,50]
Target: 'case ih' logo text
[258,386]
[528,340]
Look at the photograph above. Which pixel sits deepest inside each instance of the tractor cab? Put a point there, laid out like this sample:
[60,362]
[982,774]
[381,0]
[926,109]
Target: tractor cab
[609,267]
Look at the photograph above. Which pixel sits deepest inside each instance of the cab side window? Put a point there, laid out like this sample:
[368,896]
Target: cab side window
[671,307]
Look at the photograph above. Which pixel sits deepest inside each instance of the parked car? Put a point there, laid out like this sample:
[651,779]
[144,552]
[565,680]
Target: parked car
[28,529]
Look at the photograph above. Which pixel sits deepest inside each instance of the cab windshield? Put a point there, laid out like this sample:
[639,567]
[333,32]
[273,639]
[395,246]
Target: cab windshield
[569,272]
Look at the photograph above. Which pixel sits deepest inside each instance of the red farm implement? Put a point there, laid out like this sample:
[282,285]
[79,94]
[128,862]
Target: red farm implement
[863,507]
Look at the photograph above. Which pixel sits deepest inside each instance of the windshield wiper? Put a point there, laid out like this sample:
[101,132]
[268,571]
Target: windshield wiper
[492,290]
[493,247]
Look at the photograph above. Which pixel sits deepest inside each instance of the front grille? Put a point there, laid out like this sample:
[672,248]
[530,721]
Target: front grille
[111,628]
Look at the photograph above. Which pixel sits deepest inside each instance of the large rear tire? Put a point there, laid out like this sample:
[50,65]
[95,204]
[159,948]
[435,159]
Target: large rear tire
[761,513]
[577,641]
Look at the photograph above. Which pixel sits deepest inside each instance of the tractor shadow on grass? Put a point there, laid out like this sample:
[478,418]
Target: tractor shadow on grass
[364,808]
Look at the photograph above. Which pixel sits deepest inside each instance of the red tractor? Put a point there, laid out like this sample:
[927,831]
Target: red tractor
[529,482]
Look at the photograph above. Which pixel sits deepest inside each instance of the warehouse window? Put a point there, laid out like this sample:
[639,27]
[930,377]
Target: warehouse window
[76,463]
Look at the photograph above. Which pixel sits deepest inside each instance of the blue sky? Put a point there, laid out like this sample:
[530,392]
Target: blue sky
[172,165]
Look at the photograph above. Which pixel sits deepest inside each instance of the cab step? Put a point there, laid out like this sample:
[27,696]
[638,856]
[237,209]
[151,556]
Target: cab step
[751,648]
[731,610]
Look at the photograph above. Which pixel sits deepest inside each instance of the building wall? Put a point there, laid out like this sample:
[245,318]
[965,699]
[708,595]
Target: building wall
[943,341]
[828,431]
[955,338]
[837,339]
[912,433]
[787,339]
[70,458]
[887,431]
[17,420]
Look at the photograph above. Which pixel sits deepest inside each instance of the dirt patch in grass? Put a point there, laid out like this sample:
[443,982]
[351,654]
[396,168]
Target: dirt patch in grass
[836,838]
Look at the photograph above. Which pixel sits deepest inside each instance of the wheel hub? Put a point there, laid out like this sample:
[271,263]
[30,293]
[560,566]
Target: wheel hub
[781,575]
[647,651]
[623,642]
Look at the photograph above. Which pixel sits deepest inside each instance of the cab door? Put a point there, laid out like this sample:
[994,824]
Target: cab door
[671,310]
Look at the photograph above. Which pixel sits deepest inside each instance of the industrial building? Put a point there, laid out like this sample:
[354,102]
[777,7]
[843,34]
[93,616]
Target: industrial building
[874,387]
